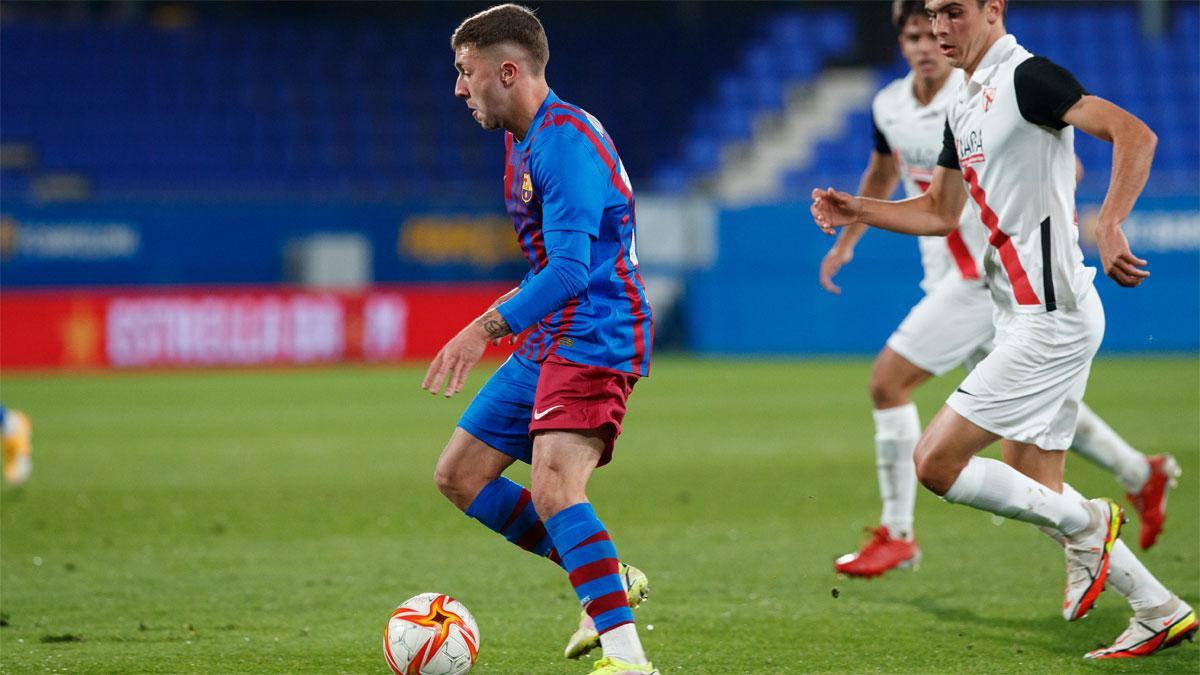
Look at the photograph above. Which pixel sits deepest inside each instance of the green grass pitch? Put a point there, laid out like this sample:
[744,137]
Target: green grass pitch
[268,522]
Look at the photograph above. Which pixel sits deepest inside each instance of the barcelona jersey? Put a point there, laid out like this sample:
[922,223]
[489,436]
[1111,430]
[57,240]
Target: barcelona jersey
[566,175]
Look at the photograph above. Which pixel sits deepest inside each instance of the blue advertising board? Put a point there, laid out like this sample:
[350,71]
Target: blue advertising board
[761,296]
[124,243]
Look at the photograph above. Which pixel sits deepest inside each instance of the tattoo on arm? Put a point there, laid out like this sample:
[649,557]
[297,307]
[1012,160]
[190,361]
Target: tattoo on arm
[493,324]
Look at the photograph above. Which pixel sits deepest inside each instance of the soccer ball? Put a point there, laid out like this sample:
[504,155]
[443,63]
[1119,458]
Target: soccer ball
[431,634]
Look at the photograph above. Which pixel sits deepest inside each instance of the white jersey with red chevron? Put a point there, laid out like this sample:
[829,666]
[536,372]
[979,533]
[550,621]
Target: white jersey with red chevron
[914,137]
[1020,180]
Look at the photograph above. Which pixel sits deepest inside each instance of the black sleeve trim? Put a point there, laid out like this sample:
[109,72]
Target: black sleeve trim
[881,143]
[1045,91]
[949,155]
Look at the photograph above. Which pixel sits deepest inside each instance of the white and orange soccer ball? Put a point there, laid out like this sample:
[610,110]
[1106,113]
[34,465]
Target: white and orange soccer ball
[431,634]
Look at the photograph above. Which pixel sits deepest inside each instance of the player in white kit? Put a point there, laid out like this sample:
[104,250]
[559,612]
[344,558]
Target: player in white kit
[1009,145]
[952,324]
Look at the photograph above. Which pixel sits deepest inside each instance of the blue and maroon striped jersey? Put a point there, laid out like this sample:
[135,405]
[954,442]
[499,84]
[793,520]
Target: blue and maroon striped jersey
[566,175]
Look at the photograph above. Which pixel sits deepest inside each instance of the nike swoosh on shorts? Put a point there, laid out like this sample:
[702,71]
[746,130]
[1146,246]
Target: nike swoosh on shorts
[539,415]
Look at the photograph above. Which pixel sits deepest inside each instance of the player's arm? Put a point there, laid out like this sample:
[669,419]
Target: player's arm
[935,212]
[564,277]
[573,190]
[878,181]
[504,297]
[1050,96]
[1133,151]
[574,186]
[512,337]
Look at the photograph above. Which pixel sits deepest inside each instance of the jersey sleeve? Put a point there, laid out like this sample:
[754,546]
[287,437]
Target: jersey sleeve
[881,143]
[573,183]
[1045,91]
[948,157]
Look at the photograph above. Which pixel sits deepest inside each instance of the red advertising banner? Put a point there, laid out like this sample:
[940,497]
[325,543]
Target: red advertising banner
[241,326]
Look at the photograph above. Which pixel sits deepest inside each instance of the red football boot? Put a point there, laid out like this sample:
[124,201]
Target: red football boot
[1151,500]
[880,554]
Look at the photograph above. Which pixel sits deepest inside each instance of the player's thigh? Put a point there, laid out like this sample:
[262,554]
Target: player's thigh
[588,401]
[1028,389]
[942,330]
[500,413]
[948,443]
[1044,466]
[563,461]
[468,461]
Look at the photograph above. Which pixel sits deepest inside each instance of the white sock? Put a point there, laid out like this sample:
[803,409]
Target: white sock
[622,643]
[994,486]
[1127,574]
[1098,442]
[896,433]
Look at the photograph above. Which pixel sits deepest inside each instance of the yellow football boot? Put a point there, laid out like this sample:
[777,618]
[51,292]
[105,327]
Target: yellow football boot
[611,666]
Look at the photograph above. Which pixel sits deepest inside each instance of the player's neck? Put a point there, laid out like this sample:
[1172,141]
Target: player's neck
[924,89]
[993,36]
[526,108]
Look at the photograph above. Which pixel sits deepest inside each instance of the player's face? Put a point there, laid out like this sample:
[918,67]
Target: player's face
[479,85]
[961,28]
[920,49]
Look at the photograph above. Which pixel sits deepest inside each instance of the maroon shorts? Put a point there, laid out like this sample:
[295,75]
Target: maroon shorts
[576,397]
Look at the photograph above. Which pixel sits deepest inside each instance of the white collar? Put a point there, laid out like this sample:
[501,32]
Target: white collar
[996,54]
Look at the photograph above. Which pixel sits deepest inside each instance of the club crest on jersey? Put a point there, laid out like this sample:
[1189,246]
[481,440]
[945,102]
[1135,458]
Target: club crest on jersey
[526,188]
[989,96]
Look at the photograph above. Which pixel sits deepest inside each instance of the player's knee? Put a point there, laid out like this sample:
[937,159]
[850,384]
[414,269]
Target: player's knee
[935,475]
[454,484]
[548,500]
[552,491]
[544,503]
[885,391]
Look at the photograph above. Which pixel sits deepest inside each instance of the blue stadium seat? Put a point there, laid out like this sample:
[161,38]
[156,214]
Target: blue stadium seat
[292,105]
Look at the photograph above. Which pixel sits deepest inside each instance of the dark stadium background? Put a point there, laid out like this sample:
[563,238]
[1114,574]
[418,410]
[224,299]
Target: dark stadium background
[269,151]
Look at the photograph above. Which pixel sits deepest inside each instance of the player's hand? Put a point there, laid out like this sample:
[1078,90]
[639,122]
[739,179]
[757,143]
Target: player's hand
[455,361]
[1119,263]
[832,209]
[830,264]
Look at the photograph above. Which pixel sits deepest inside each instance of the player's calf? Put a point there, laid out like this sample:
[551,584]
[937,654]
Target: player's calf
[507,508]
[468,474]
[585,638]
[591,562]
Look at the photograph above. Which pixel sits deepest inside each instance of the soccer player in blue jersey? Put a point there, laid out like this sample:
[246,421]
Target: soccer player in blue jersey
[558,402]
[16,432]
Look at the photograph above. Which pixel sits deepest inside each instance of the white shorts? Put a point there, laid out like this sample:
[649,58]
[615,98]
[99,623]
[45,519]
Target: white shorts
[1028,389]
[950,326]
